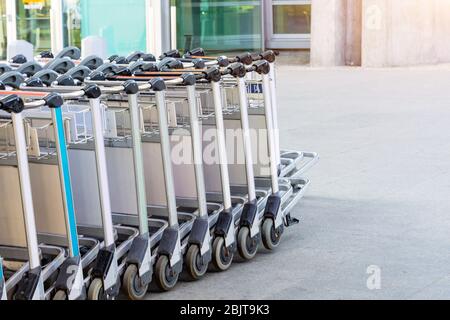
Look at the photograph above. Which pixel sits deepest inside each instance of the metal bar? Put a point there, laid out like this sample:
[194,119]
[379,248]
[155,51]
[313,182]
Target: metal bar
[167,162]
[197,151]
[65,181]
[138,162]
[221,145]
[247,140]
[25,189]
[270,134]
[273,94]
[102,171]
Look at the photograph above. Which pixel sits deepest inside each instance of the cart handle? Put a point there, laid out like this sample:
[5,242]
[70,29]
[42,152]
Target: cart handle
[12,104]
[52,100]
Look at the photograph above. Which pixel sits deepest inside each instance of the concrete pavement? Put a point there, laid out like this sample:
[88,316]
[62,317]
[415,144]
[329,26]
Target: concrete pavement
[379,196]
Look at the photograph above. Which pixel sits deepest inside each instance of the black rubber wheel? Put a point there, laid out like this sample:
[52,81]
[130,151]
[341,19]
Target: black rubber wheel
[196,266]
[271,237]
[165,277]
[222,256]
[247,246]
[60,296]
[133,286]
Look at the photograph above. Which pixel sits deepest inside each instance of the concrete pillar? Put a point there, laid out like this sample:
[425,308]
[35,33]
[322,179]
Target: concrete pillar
[353,32]
[327,32]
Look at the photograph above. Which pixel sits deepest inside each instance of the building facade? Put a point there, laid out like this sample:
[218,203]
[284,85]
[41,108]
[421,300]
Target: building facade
[380,33]
[373,33]
[157,25]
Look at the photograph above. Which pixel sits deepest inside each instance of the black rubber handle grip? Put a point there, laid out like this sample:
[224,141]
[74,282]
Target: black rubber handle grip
[19,59]
[269,55]
[120,60]
[245,58]
[108,69]
[148,57]
[189,79]
[12,104]
[199,63]
[171,54]
[197,52]
[47,76]
[29,68]
[54,100]
[261,67]
[135,56]
[237,70]
[73,53]
[92,62]
[223,61]
[158,84]
[212,74]
[46,55]
[79,73]
[138,66]
[65,80]
[113,57]
[97,76]
[13,79]
[34,83]
[169,63]
[4,68]
[60,65]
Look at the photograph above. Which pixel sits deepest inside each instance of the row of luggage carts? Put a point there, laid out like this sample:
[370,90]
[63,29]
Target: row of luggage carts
[122,175]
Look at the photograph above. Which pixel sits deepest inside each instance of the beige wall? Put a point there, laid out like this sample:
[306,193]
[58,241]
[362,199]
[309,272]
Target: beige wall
[405,32]
[380,33]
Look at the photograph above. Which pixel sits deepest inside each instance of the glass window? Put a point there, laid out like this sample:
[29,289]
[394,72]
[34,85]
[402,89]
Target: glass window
[33,23]
[3,34]
[72,23]
[122,24]
[292,19]
[217,26]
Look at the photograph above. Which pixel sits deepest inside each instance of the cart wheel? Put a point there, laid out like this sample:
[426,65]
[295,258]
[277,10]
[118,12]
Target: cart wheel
[96,291]
[271,237]
[133,286]
[196,265]
[166,277]
[60,296]
[222,256]
[247,246]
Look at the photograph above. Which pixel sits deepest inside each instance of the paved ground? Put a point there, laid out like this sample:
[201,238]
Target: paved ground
[380,195]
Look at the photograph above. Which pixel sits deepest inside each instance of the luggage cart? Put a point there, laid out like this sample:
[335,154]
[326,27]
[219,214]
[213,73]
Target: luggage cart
[120,132]
[188,177]
[290,162]
[29,265]
[86,202]
[178,223]
[285,193]
[88,155]
[252,199]
[56,217]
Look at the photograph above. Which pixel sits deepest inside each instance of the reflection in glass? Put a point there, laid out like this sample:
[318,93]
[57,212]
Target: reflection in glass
[33,23]
[292,19]
[72,23]
[123,26]
[3,43]
[224,25]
